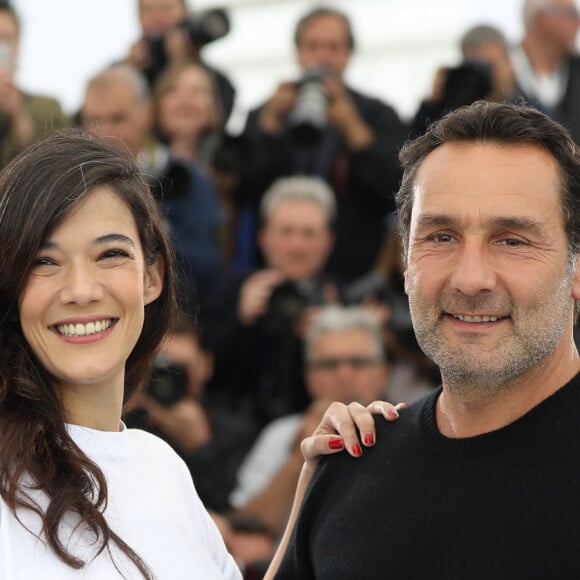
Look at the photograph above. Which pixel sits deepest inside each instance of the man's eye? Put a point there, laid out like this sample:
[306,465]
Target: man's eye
[442,238]
[511,242]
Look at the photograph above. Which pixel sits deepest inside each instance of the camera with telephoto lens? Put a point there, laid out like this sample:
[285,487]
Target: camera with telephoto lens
[206,26]
[168,384]
[202,27]
[308,118]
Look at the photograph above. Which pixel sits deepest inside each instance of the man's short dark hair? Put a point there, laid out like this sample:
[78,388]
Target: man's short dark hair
[505,124]
[319,12]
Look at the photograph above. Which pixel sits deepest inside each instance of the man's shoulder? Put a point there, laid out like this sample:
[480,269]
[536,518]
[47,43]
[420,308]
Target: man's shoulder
[287,426]
[279,434]
[38,100]
[574,61]
[410,416]
[46,109]
[574,68]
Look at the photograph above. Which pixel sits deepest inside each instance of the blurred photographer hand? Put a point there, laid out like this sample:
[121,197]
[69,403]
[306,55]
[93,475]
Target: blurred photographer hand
[330,293]
[343,115]
[276,110]
[139,54]
[185,423]
[255,294]
[178,47]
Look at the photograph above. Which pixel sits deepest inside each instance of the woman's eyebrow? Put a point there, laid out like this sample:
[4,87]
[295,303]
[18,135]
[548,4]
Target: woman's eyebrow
[104,239]
[115,238]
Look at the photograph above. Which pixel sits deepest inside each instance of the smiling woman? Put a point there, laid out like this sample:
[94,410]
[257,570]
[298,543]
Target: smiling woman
[87,294]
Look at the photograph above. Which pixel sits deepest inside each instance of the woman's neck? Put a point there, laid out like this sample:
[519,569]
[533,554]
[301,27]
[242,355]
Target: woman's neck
[95,406]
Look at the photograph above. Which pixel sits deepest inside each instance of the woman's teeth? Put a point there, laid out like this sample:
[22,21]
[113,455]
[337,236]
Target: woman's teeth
[79,329]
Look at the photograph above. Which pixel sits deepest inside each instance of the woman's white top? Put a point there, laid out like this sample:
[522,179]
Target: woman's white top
[153,506]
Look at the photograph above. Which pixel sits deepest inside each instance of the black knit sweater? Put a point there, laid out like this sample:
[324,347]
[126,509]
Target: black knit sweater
[503,505]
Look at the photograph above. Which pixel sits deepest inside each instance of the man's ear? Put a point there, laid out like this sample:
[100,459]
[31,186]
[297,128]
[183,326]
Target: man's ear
[154,280]
[576,283]
[406,284]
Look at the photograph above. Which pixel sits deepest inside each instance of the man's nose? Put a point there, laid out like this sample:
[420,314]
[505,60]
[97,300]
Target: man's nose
[473,270]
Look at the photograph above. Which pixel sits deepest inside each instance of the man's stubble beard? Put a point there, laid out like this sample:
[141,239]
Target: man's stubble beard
[531,334]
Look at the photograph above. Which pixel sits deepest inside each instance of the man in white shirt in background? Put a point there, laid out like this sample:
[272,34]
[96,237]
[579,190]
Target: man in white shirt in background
[546,64]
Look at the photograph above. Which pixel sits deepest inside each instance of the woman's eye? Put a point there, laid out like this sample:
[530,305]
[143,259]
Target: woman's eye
[43,261]
[115,253]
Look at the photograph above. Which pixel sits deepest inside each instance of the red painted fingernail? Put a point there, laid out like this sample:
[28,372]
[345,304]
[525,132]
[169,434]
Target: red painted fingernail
[369,439]
[335,443]
[357,451]
[392,414]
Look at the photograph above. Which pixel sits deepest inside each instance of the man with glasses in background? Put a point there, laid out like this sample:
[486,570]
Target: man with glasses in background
[345,361]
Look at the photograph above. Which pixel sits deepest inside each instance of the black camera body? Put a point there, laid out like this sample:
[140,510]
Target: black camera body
[308,118]
[206,26]
[202,27]
[168,384]
[171,179]
[287,302]
[467,83]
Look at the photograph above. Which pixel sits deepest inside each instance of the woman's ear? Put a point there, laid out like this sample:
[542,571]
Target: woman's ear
[154,275]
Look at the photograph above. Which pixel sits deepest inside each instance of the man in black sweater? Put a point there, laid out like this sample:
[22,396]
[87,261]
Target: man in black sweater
[482,478]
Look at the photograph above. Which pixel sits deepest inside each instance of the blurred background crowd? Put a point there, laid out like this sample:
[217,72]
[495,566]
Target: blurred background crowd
[290,266]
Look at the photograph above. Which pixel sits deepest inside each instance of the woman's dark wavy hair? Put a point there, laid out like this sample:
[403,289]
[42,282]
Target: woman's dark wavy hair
[38,189]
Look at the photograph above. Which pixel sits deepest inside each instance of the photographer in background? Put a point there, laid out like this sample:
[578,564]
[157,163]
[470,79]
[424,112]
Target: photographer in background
[345,362]
[486,72]
[171,35]
[211,440]
[24,117]
[256,321]
[546,62]
[117,104]
[319,126]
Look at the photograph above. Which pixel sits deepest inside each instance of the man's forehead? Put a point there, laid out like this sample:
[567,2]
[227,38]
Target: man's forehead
[324,23]
[117,95]
[345,338]
[499,175]
[289,209]
[467,160]
[150,4]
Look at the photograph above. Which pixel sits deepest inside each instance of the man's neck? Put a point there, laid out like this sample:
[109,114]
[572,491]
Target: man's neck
[463,411]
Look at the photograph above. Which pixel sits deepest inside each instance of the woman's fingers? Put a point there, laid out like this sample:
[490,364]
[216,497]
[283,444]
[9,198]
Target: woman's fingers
[314,447]
[389,411]
[347,427]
